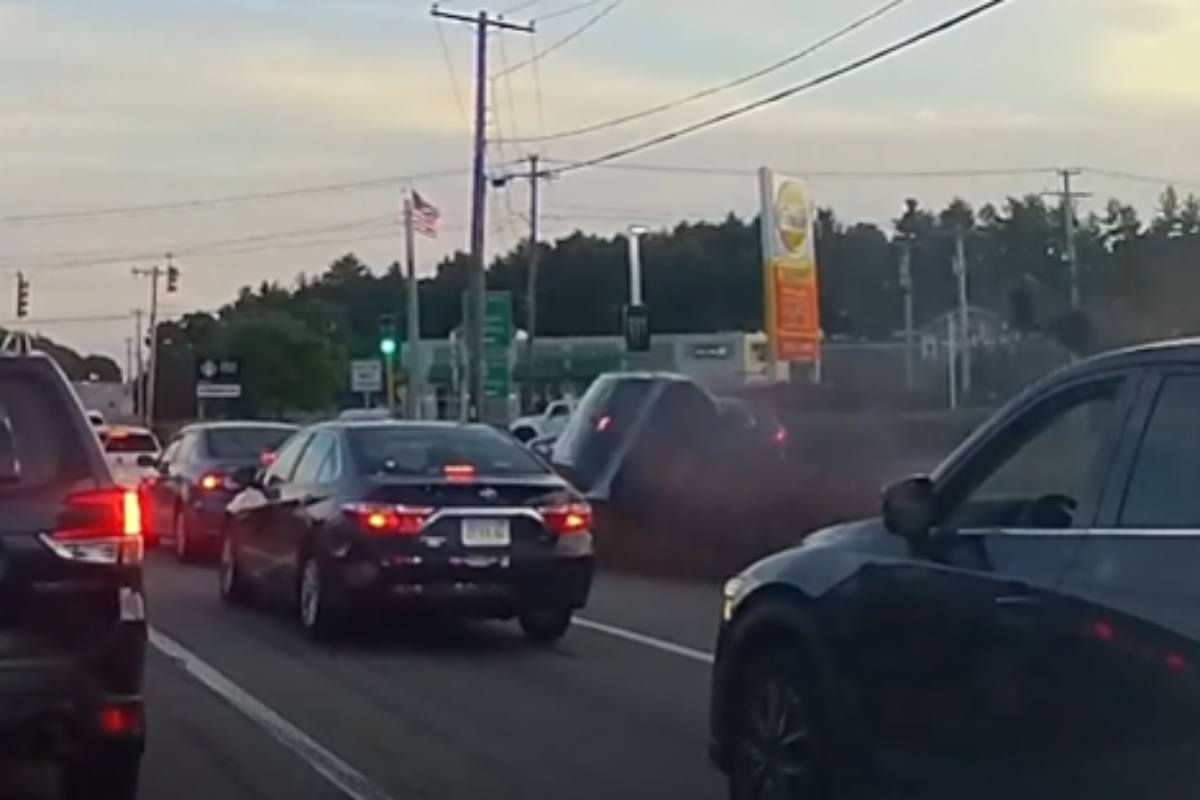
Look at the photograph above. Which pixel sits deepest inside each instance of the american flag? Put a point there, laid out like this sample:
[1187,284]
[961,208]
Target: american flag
[425,216]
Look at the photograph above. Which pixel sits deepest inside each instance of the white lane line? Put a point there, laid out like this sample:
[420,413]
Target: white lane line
[643,639]
[346,778]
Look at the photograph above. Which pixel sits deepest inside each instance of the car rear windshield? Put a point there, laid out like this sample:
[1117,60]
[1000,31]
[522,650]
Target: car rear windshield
[39,448]
[130,443]
[427,451]
[244,443]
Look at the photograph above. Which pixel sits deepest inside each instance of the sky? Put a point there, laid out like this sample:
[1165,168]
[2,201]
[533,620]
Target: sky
[117,103]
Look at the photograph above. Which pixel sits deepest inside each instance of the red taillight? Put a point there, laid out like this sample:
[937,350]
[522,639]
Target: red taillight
[1102,630]
[568,518]
[603,424]
[459,472]
[211,481]
[381,519]
[780,436]
[101,526]
[120,719]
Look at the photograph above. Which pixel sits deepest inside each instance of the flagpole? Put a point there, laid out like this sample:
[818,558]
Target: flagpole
[412,398]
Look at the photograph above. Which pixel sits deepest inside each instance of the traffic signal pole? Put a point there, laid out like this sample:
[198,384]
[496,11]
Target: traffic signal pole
[154,273]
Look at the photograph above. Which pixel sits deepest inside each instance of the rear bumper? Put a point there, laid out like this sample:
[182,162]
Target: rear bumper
[491,586]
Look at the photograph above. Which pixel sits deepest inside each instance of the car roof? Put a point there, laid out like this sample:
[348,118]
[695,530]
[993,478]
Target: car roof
[227,425]
[647,375]
[408,424]
[1166,351]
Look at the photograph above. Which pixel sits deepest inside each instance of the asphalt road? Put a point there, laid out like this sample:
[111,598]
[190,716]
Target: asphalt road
[242,705]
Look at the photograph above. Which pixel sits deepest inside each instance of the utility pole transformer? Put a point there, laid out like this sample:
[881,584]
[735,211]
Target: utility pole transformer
[473,323]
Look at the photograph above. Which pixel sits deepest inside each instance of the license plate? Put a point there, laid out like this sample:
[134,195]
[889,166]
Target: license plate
[485,533]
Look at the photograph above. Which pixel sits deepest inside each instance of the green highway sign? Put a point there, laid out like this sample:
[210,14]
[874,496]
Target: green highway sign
[497,337]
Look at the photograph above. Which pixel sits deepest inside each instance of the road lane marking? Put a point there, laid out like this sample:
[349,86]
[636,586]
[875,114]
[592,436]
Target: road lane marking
[346,778]
[643,639]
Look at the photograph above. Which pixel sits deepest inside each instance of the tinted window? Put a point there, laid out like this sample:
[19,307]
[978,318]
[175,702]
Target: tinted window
[315,455]
[1054,450]
[34,435]
[559,410]
[172,451]
[285,462]
[607,412]
[426,450]
[243,443]
[1164,488]
[130,443]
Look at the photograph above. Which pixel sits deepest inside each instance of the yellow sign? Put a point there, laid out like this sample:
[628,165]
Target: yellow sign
[793,319]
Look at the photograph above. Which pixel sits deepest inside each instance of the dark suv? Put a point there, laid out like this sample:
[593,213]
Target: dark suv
[1024,622]
[72,613]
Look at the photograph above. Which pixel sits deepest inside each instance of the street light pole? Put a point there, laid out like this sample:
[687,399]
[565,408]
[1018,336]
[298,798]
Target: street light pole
[635,264]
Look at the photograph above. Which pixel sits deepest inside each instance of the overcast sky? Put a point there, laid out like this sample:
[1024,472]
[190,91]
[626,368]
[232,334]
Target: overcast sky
[113,103]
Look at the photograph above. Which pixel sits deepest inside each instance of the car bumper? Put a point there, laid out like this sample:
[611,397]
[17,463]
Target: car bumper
[206,518]
[473,585]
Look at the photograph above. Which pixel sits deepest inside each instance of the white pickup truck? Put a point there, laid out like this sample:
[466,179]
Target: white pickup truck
[549,423]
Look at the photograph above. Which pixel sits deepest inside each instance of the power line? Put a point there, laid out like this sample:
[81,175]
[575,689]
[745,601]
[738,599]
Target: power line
[784,94]
[738,172]
[562,12]
[28,322]
[206,202]
[1140,178]
[774,66]
[564,41]
[452,74]
[519,7]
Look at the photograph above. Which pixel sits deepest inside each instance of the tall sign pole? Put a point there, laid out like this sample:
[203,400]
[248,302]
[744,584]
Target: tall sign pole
[473,317]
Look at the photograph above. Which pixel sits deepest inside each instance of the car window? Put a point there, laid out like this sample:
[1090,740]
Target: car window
[130,443]
[186,450]
[171,451]
[559,410]
[1044,463]
[285,462]
[44,450]
[1162,491]
[246,443]
[331,466]
[427,450]
[314,457]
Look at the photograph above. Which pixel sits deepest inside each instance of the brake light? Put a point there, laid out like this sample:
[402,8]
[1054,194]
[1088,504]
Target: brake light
[567,518]
[101,526]
[459,472]
[780,436]
[210,482]
[381,519]
[603,424]
[120,719]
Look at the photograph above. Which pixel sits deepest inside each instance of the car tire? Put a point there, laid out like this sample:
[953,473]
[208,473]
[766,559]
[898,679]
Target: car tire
[545,626]
[113,776]
[185,550]
[776,741]
[230,580]
[317,607]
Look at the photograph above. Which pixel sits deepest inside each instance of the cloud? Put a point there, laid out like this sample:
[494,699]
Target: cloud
[1146,55]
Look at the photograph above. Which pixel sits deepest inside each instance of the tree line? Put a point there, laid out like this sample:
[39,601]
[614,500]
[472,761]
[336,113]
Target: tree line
[1135,279]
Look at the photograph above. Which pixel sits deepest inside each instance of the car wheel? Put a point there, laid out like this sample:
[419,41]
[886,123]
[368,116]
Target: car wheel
[185,546]
[315,603]
[775,744]
[545,626]
[231,581]
[115,776]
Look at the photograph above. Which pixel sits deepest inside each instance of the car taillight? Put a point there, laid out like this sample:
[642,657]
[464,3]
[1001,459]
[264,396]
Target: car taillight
[102,526]
[780,436]
[459,472]
[381,519]
[567,518]
[216,481]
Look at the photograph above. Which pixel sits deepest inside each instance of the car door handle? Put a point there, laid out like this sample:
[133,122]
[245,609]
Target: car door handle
[1017,600]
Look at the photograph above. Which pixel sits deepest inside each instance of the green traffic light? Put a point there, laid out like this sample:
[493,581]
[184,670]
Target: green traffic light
[387,346]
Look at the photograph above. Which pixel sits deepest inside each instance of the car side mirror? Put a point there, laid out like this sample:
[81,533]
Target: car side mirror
[248,477]
[147,460]
[910,507]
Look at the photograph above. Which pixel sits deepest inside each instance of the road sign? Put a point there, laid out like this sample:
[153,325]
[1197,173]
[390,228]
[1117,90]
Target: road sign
[497,339]
[218,391]
[636,322]
[218,379]
[366,375]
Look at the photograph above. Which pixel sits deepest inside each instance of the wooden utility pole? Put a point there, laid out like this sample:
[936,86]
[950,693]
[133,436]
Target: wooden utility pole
[473,322]
[412,397]
[1068,196]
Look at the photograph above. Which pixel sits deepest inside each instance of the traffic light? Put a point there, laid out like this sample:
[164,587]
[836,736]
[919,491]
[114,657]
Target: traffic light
[172,279]
[22,295]
[387,334]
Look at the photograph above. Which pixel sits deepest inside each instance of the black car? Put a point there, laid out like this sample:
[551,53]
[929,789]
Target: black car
[72,613]
[442,516]
[1024,622]
[197,478]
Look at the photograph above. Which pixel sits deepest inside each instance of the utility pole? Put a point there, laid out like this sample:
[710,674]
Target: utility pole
[412,398]
[139,396]
[906,286]
[964,328]
[153,273]
[1068,196]
[473,322]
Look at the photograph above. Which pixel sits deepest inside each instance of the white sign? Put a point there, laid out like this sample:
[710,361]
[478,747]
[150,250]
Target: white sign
[218,391]
[366,375]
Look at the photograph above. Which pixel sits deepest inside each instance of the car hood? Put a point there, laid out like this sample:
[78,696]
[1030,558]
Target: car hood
[828,556]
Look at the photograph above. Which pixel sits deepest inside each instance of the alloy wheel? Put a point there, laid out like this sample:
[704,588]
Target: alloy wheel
[774,750]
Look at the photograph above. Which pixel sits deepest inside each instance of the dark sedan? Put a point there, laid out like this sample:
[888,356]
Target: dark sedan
[1024,622]
[437,516]
[197,478]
